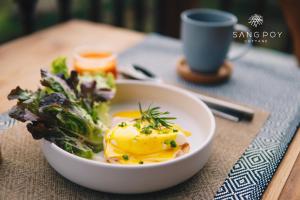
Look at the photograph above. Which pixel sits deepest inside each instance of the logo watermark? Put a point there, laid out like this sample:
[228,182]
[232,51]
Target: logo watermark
[258,36]
[256,20]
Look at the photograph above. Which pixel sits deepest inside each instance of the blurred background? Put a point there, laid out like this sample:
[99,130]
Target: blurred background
[21,17]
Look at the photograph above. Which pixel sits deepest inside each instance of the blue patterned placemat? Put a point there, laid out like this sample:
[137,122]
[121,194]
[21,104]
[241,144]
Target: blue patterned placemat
[263,78]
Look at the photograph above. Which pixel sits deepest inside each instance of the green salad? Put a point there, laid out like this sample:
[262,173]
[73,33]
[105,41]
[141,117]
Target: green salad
[69,110]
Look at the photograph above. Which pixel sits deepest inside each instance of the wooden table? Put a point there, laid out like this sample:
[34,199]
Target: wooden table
[20,61]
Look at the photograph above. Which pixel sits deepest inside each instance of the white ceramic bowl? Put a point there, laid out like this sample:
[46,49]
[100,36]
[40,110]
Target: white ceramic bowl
[192,114]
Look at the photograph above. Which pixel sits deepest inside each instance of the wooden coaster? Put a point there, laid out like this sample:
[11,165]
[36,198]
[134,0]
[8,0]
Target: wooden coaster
[187,74]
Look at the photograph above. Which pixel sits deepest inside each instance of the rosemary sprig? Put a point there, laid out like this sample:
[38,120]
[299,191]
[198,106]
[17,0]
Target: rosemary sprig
[155,118]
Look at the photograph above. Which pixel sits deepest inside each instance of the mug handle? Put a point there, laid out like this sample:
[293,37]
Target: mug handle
[248,44]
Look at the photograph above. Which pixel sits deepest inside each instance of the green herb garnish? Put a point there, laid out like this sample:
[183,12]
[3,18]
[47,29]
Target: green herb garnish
[173,144]
[154,119]
[122,124]
[125,157]
[146,130]
[137,125]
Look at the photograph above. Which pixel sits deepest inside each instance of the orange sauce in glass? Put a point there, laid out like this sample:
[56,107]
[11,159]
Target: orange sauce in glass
[96,55]
[106,67]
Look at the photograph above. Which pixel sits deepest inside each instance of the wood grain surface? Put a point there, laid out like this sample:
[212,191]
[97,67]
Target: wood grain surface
[21,59]
[281,179]
[291,188]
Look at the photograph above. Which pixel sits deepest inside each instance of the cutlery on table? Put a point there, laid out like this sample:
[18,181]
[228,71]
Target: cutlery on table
[221,108]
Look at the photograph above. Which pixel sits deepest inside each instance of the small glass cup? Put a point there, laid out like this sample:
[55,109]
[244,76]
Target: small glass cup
[90,59]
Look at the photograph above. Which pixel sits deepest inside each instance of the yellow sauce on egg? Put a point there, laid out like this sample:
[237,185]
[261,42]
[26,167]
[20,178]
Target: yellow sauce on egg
[127,145]
[128,114]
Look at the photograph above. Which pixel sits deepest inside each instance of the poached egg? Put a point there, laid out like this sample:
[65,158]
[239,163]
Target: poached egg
[128,143]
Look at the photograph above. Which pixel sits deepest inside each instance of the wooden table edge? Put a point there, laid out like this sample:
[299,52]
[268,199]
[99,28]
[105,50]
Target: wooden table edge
[280,179]
[290,190]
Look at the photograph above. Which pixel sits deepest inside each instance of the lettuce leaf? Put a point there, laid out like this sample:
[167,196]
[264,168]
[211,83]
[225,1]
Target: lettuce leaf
[69,110]
[59,67]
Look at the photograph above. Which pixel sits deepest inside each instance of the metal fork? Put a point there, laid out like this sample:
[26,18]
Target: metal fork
[6,122]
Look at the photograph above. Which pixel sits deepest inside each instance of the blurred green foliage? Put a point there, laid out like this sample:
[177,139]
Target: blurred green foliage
[46,15]
[10,26]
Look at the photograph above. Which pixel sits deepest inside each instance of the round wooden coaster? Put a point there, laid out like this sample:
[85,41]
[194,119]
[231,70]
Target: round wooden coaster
[187,74]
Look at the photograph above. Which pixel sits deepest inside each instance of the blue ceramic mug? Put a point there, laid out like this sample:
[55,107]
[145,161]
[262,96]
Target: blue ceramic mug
[206,35]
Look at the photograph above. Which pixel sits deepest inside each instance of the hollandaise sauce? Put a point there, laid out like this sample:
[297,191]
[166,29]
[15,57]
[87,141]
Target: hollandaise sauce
[135,140]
